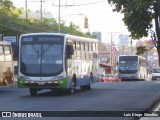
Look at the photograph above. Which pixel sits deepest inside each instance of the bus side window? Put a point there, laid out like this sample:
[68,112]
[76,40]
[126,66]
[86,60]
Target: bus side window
[15,50]
[7,51]
[1,53]
[69,51]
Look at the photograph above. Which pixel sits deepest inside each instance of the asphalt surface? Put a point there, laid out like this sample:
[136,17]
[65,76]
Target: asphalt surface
[113,97]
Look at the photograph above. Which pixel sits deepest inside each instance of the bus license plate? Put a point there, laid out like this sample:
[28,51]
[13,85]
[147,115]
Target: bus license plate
[41,83]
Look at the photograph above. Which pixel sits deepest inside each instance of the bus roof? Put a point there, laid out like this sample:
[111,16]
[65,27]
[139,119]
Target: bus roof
[132,56]
[78,38]
[128,55]
[42,33]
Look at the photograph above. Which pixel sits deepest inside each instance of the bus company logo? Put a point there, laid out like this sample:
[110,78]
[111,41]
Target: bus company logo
[6,114]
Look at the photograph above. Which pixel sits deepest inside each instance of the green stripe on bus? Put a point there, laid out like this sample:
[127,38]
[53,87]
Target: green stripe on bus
[62,84]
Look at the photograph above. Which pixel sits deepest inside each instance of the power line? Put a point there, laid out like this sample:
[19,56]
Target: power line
[13,28]
[91,3]
[24,25]
[41,6]
[84,4]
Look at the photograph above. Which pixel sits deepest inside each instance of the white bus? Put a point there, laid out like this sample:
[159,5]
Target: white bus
[56,61]
[6,64]
[132,67]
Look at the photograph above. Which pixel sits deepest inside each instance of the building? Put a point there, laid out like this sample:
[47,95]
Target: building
[104,62]
[98,35]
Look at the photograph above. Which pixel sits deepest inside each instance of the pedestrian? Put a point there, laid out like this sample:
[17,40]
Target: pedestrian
[8,76]
[91,77]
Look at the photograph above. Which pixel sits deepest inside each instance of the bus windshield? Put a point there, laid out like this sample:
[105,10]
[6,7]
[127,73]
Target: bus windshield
[128,66]
[42,55]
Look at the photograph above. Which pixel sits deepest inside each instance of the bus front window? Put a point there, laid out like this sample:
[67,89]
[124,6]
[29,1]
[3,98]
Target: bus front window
[51,56]
[133,65]
[128,66]
[123,65]
[42,58]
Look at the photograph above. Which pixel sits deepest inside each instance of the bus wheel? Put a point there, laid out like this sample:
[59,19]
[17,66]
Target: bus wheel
[33,91]
[73,88]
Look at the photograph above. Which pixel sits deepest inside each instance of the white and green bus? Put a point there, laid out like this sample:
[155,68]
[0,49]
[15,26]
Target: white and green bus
[56,61]
[6,64]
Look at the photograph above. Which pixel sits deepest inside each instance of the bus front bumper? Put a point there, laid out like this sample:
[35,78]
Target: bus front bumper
[43,84]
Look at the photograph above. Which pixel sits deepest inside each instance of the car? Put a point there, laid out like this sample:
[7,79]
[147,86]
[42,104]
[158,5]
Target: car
[156,73]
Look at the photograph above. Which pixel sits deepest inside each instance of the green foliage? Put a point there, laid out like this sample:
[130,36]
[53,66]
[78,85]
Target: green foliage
[12,24]
[141,50]
[138,15]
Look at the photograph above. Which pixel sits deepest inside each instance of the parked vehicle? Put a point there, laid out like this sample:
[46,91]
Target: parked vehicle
[156,73]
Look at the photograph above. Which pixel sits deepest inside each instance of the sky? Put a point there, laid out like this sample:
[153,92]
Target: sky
[99,14]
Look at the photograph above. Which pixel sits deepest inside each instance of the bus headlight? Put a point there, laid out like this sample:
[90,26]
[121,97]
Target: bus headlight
[24,78]
[57,77]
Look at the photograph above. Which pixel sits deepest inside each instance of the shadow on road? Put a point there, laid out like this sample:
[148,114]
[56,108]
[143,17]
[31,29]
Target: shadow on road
[60,93]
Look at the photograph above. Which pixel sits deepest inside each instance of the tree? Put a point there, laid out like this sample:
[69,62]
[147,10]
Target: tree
[8,12]
[141,50]
[12,24]
[139,16]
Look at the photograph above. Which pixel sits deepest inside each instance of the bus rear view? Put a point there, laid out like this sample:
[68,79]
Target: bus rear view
[131,67]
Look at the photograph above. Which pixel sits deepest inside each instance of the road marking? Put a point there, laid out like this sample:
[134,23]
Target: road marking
[157,109]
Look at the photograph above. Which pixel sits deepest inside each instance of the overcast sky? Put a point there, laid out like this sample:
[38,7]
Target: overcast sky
[99,13]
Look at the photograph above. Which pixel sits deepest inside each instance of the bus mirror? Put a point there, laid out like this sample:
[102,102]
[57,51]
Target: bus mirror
[69,51]
[15,50]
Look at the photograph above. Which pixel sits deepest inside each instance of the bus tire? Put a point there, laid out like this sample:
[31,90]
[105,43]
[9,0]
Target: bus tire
[71,91]
[73,88]
[33,91]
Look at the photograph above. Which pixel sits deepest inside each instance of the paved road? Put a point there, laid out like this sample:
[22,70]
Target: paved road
[120,96]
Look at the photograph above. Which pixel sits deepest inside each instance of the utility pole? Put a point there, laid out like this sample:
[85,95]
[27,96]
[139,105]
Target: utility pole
[26,8]
[41,8]
[112,54]
[111,50]
[59,17]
